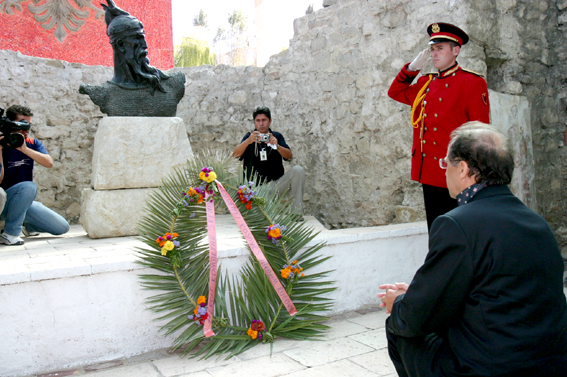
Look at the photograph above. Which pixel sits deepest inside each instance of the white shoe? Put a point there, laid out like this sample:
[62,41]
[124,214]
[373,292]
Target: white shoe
[10,240]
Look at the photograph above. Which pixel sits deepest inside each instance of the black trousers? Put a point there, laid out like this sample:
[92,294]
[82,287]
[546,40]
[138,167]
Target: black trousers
[431,356]
[437,202]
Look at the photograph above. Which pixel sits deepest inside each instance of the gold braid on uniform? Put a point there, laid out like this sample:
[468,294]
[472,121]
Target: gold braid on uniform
[418,100]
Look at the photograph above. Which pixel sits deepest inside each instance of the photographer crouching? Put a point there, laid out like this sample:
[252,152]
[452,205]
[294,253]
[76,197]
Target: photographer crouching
[19,152]
[263,152]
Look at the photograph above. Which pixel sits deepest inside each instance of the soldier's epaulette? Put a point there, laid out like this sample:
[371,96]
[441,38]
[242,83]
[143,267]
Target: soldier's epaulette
[473,72]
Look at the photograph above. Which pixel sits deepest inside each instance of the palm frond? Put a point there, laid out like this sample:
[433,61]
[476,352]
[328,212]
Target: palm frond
[183,275]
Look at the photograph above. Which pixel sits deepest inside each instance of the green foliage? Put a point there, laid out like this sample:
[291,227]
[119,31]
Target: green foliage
[193,52]
[183,274]
[233,40]
[200,19]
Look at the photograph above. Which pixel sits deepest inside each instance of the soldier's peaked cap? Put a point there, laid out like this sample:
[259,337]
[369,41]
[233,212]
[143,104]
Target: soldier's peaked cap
[442,32]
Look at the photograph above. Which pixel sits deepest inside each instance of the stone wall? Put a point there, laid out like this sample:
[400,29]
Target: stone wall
[328,97]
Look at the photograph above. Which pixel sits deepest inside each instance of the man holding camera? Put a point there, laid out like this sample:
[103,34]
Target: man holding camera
[263,152]
[21,213]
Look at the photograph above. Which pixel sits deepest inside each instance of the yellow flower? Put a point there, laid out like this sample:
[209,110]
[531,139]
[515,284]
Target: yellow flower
[208,177]
[253,334]
[163,251]
[201,300]
[168,246]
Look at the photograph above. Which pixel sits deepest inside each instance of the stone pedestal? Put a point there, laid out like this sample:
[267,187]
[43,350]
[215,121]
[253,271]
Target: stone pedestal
[131,157]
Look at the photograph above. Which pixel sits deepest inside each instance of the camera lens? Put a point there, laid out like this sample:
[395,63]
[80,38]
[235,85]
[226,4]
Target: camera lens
[16,140]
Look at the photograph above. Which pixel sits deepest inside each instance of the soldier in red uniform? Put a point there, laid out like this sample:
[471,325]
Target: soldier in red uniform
[440,101]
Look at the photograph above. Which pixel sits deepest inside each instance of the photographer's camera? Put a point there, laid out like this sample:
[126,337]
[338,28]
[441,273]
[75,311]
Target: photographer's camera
[264,138]
[8,127]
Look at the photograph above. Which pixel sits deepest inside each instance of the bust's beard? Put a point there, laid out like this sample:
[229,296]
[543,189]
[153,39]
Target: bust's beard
[144,73]
[135,71]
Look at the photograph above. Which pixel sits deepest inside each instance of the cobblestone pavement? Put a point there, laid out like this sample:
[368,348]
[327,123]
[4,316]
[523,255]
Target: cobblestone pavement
[354,346]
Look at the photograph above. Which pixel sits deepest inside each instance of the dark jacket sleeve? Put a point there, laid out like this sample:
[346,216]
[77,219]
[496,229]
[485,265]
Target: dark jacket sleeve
[440,287]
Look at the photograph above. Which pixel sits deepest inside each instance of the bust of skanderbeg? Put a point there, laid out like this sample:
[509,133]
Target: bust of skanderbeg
[137,88]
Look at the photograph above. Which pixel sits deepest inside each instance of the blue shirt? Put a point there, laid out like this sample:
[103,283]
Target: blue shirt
[19,167]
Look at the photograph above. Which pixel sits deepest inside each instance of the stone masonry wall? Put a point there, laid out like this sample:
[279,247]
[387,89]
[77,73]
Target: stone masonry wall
[328,97]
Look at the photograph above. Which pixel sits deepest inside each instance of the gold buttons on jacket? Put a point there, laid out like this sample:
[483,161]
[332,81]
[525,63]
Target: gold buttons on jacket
[435,115]
[446,86]
[434,128]
[423,141]
[434,143]
[440,99]
[435,158]
[423,154]
[425,102]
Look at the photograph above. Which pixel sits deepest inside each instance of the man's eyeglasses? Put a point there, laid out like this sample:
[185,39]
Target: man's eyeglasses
[442,163]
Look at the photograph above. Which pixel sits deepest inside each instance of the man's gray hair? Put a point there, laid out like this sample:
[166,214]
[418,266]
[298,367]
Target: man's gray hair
[486,150]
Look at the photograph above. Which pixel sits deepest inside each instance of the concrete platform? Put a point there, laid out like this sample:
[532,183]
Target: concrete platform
[72,301]
[355,346]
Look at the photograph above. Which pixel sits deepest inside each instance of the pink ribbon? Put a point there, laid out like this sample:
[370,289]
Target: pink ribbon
[212,231]
[286,300]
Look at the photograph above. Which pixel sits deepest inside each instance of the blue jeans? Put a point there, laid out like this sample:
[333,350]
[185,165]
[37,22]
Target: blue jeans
[21,209]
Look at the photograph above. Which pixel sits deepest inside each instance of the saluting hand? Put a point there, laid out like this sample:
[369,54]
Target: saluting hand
[421,60]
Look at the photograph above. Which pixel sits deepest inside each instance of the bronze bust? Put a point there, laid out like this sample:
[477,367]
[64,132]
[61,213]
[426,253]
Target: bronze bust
[137,88]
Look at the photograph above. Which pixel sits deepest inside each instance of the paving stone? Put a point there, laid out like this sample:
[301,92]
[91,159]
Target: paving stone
[375,338]
[372,321]
[342,368]
[378,362]
[281,344]
[197,374]
[103,365]
[175,365]
[328,351]
[71,372]
[138,370]
[341,329]
[264,366]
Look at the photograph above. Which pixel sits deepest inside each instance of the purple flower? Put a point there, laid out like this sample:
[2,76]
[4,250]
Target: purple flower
[191,316]
[202,311]
[192,215]
[176,243]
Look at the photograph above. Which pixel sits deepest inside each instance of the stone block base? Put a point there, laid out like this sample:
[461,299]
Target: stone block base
[112,213]
[138,152]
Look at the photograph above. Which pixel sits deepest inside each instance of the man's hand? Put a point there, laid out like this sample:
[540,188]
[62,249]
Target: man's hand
[42,159]
[389,296]
[420,60]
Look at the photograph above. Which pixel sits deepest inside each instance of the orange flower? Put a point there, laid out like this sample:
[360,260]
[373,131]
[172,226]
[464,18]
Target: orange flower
[249,205]
[285,272]
[200,200]
[275,233]
[253,334]
[201,300]
[191,191]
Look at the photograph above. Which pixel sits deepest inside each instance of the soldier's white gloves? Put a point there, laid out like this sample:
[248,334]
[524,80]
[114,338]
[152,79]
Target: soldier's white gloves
[420,60]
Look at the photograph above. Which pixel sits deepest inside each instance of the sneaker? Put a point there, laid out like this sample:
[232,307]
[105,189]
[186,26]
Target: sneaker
[27,233]
[10,240]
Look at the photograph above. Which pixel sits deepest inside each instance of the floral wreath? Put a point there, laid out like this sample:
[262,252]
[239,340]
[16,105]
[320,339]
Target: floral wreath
[272,297]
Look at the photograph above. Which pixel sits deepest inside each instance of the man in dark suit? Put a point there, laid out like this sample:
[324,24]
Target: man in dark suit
[488,301]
